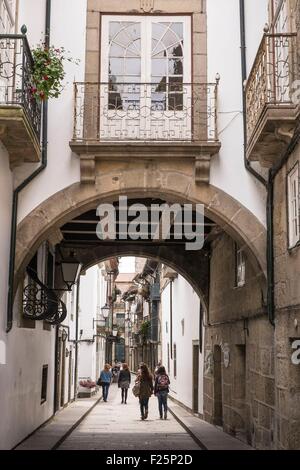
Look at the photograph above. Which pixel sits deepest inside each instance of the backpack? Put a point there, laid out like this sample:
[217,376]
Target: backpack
[163,382]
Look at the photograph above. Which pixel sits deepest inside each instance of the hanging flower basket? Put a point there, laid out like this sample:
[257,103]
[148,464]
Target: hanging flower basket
[48,72]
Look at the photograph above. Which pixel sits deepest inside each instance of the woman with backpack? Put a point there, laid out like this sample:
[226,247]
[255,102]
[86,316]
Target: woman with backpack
[161,390]
[124,382]
[144,382]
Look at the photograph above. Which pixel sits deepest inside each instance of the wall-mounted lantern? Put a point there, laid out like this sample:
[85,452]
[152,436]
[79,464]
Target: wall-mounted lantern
[70,268]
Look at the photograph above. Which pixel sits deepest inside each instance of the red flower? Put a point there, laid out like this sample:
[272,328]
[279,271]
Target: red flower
[46,77]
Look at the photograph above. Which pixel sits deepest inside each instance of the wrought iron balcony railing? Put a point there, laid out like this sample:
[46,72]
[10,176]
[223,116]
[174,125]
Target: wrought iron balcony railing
[271,80]
[16,65]
[145,112]
[42,303]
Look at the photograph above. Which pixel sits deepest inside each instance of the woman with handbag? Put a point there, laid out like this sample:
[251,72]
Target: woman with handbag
[145,384]
[105,381]
[124,382]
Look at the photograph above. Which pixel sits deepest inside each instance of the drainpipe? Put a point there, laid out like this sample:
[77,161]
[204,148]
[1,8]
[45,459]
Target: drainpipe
[269,185]
[76,338]
[171,317]
[13,236]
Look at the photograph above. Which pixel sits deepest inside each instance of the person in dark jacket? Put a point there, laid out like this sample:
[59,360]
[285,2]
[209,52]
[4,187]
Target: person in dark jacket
[161,390]
[145,381]
[124,382]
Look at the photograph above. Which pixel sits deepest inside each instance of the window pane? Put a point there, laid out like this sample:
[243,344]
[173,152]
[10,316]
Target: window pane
[116,66]
[175,51]
[169,38]
[175,67]
[178,29]
[133,67]
[159,67]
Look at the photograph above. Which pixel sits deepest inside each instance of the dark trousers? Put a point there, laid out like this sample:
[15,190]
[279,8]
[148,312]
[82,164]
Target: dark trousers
[124,394]
[105,387]
[162,402]
[144,406]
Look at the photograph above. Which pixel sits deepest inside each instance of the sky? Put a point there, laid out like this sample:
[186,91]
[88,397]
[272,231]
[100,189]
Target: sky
[127,265]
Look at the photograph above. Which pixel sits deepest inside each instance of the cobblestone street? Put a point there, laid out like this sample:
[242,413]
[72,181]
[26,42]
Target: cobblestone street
[90,424]
[112,426]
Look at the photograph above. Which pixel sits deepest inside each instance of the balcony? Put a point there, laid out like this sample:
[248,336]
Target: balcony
[20,114]
[144,120]
[271,101]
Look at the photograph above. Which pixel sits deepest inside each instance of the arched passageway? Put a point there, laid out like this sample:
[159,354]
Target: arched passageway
[46,220]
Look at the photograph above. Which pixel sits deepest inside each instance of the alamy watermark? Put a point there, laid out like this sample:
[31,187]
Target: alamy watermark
[296,354]
[2,353]
[155,222]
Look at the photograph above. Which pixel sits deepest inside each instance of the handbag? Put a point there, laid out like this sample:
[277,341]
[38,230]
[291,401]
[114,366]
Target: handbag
[136,389]
[99,382]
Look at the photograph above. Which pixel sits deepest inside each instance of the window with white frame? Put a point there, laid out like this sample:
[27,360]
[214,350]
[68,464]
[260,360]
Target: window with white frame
[293,206]
[145,65]
[240,267]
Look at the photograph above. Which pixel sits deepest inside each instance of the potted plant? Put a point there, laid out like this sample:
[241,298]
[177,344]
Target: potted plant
[48,72]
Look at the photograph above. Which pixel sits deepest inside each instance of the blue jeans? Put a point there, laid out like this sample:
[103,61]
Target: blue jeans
[162,402]
[105,387]
[144,406]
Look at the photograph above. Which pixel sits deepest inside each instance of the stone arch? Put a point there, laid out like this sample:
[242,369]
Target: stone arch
[193,266]
[139,182]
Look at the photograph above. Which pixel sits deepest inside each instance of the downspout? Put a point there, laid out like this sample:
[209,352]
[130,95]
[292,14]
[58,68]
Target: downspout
[77,338]
[269,185]
[14,217]
[171,318]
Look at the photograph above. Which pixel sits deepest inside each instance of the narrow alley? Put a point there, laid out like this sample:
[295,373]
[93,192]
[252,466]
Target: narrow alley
[91,424]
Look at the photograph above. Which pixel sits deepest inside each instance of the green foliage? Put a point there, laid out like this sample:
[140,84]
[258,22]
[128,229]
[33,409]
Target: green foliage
[145,328]
[48,72]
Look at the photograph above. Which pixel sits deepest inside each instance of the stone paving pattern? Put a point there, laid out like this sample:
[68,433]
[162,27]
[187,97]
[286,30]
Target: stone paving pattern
[115,426]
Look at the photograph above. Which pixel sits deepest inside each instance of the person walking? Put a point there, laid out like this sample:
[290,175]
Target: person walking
[105,381]
[124,382]
[145,381]
[161,390]
[156,368]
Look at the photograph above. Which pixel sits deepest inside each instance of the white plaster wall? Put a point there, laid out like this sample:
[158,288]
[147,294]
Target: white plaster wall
[20,383]
[5,220]
[224,57]
[92,295]
[68,29]
[183,294]
[256,15]
[26,351]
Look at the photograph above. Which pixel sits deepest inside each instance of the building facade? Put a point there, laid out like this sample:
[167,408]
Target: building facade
[169,106]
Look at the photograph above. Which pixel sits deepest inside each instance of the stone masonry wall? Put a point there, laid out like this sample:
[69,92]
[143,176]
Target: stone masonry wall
[287,299]
[238,325]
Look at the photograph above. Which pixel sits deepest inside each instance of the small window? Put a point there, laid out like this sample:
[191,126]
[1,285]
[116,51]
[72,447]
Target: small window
[182,327]
[167,327]
[44,384]
[175,360]
[293,207]
[168,358]
[240,267]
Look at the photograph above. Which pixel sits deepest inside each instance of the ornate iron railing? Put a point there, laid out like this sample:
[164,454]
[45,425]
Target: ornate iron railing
[42,303]
[16,65]
[145,112]
[271,79]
